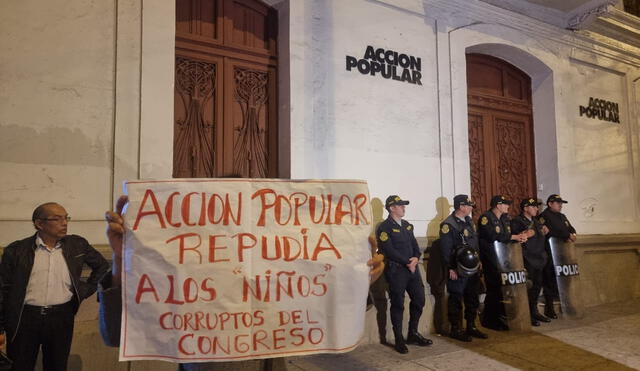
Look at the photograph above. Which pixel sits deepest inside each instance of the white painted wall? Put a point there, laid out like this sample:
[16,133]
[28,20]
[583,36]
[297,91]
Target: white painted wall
[86,102]
[348,125]
[56,111]
[588,161]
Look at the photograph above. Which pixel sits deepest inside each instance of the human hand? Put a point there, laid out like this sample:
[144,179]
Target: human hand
[545,230]
[413,262]
[524,237]
[573,237]
[376,265]
[115,234]
[519,237]
[115,225]
[453,275]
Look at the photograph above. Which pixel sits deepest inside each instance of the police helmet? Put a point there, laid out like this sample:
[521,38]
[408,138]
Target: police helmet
[468,261]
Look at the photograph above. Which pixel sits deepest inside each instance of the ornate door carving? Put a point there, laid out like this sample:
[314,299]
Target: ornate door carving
[225,92]
[501,148]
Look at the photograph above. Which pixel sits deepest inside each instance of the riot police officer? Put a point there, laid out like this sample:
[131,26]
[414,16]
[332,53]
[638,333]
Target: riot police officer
[533,252]
[459,246]
[400,249]
[559,227]
[494,225]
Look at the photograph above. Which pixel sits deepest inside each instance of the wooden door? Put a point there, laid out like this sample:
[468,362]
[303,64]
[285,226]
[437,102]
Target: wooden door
[501,146]
[225,120]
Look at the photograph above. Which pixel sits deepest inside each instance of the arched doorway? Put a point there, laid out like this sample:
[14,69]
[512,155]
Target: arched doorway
[225,89]
[501,143]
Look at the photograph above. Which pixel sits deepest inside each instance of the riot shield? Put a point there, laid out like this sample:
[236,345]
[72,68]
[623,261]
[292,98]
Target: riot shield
[513,280]
[565,266]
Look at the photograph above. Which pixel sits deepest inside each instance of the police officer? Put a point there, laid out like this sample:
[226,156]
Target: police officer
[456,232]
[494,225]
[533,252]
[400,249]
[559,227]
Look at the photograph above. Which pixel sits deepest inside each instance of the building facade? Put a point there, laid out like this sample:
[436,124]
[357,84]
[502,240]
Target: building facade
[421,98]
[425,99]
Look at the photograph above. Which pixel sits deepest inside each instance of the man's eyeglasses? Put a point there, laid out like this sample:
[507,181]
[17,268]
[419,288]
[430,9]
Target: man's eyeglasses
[58,219]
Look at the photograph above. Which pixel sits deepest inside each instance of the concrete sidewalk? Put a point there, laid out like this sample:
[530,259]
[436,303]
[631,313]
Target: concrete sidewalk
[607,338]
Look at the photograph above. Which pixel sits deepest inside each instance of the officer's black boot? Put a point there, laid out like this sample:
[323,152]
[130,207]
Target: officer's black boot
[473,331]
[400,345]
[549,311]
[539,317]
[414,337]
[458,334]
[383,336]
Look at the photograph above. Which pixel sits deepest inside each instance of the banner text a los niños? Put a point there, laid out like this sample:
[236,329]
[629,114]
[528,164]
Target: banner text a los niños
[275,249]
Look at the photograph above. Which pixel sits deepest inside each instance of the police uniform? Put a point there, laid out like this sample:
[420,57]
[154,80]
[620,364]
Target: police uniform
[398,245]
[560,228]
[534,254]
[455,233]
[490,229]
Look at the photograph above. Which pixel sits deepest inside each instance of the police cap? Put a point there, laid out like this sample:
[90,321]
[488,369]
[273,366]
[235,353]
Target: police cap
[394,200]
[529,202]
[499,199]
[556,198]
[462,200]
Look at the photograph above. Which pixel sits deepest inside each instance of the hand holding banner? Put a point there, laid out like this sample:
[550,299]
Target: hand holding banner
[232,269]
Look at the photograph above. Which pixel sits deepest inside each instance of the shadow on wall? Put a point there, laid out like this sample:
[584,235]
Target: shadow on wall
[443,209]
[377,213]
[23,145]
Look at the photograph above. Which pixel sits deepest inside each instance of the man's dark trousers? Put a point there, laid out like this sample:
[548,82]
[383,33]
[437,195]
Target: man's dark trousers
[400,279]
[463,289]
[534,275]
[379,291]
[549,283]
[50,328]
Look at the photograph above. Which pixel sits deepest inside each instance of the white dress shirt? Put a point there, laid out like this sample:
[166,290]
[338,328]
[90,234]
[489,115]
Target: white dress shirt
[50,282]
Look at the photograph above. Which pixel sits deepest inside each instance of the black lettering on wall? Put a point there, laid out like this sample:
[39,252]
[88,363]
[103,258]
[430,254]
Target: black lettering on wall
[388,64]
[601,109]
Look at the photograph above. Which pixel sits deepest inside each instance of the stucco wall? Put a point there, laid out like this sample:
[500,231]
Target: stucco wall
[348,125]
[56,111]
[412,140]
[87,103]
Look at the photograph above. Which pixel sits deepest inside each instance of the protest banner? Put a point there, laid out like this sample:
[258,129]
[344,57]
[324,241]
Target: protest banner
[234,269]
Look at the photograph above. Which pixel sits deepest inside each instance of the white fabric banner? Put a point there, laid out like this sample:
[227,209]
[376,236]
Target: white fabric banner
[234,269]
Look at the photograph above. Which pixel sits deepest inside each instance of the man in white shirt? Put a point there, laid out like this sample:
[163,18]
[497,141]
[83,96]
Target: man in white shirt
[42,290]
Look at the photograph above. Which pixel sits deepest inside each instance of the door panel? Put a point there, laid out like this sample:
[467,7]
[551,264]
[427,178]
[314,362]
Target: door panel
[479,158]
[225,92]
[513,176]
[501,149]
[198,116]
[250,132]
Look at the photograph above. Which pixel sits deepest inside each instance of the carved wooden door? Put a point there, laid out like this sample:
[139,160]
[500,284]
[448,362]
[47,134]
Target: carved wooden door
[501,146]
[225,89]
